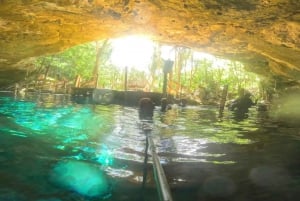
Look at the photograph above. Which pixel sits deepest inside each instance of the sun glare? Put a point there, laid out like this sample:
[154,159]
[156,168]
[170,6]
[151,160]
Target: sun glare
[216,62]
[136,52]
[133,52]
[168,52]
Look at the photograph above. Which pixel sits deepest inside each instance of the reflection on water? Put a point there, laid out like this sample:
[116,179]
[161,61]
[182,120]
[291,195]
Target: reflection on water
[52,149]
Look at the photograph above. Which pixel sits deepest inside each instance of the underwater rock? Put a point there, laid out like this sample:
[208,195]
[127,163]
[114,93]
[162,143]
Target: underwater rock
[81,177]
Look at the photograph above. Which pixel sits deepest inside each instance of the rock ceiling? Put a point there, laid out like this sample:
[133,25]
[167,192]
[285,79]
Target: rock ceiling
[264,34]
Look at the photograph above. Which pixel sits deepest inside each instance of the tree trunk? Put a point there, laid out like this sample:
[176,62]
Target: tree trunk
[96,71]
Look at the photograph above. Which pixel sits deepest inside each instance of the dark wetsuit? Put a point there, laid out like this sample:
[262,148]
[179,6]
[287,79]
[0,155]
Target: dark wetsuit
[242,104]
[146,107]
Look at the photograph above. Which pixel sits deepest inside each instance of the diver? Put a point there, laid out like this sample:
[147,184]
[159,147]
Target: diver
[146,107]
[165,105]
[183,102]
[242,104]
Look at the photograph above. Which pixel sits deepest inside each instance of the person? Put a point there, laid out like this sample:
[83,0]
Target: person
[242,104]
[146,107]
[183,102]
[165,105]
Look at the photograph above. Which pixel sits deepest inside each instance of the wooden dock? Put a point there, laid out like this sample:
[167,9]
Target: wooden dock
[107,96]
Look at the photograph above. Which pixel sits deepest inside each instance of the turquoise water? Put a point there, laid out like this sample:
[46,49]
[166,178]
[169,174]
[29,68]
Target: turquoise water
[52,149]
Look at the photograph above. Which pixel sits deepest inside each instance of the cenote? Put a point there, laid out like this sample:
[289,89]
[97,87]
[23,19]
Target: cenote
[53,149]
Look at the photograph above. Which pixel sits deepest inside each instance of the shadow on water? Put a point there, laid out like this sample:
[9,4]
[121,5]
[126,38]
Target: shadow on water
[52,149]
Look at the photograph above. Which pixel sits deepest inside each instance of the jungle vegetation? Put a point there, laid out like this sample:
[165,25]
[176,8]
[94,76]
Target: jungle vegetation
[197,77]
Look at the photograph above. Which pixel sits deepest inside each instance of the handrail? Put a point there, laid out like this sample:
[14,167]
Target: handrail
[163,187]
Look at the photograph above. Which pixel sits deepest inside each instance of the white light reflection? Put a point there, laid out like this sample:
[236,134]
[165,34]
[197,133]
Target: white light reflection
[179,180]
[189,146]
[121,173]
[121,154]
[138,178]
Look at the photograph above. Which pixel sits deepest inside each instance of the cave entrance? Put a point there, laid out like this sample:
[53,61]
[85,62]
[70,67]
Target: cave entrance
[102,64]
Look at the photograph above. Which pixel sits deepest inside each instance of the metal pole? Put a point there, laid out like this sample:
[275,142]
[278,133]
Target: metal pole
[163,188]
[145,164]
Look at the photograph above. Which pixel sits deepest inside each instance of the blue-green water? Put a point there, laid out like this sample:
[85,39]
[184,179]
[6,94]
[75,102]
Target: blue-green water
[52,149]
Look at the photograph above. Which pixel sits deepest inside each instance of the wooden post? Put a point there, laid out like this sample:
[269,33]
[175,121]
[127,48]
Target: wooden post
[168,64]
[45,78]
[77,81]
[125,80]
[125,85]
[96,80]
[65,86]
[223,100]
[165,83]
[16,89]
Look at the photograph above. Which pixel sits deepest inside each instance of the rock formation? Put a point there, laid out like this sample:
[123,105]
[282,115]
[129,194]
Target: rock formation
[263,34]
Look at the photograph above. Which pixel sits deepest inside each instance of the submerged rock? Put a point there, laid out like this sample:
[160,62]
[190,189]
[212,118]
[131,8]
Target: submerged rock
[81,177]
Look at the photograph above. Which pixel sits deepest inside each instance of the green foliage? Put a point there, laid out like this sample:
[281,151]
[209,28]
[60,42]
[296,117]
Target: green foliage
[76,60]
[190,73]
[206,77]
[212,78]
[155,69]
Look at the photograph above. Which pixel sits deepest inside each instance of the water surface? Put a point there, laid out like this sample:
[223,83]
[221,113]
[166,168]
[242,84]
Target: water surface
[53,149]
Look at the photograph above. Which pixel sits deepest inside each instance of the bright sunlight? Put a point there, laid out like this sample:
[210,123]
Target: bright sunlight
[133,52]
[193,71]
[136,52]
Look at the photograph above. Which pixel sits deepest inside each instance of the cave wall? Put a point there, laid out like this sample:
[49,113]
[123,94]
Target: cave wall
[263,34]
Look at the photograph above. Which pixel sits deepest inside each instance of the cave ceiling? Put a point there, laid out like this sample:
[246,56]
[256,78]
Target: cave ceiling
[263,34]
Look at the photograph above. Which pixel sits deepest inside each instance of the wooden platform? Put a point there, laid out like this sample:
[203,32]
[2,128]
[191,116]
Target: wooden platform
[107,96]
